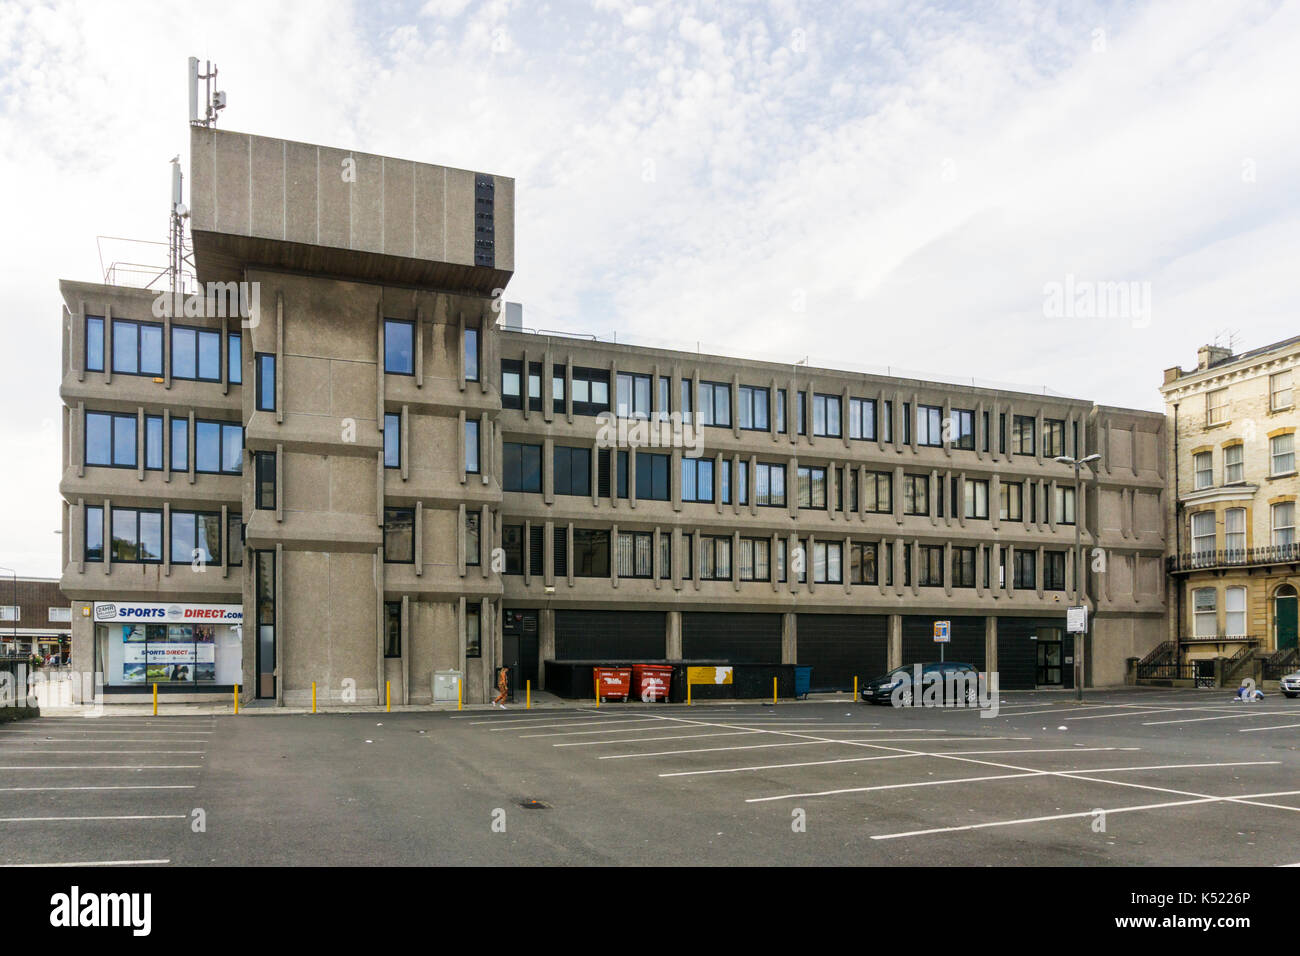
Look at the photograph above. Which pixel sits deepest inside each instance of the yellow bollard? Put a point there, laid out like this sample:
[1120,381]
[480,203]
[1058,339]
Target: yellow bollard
[855,686]
[236,699]
[773,690]
[388,695]
[688,687]
[528,695]
[313,697]
[155,700]
[459,696]
[596,681]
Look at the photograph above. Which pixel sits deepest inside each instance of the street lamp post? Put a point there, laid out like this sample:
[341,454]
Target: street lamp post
[1078,464]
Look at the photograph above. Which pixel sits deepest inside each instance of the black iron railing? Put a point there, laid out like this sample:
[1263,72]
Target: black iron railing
[1234,558]
[1168,670]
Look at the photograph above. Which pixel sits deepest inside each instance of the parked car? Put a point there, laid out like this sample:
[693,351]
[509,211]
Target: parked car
[1290,684]
[956,682]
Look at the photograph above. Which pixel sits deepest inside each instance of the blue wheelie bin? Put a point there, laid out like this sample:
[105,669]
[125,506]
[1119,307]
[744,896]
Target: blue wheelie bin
[802,682]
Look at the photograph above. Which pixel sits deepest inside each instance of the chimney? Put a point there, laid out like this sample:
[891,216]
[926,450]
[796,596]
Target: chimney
[1172,374]
[1210,355]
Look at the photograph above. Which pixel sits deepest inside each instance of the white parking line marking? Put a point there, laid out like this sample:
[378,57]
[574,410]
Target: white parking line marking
[1251,730]
[611,730]
[590,723]
[91,863]
[182,766]
[818,763]
[645,740]
[115,730]
[1004,776]
[41,753]
[160,786]
[1128,713]
[503,721]
[1245,798]
[797,743]
[156,816]
[1194,720]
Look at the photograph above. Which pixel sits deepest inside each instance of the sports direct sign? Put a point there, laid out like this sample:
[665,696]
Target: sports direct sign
[109,611]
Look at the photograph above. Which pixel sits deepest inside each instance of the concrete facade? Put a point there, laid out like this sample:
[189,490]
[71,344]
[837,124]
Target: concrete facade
[1233,483]
[339,466]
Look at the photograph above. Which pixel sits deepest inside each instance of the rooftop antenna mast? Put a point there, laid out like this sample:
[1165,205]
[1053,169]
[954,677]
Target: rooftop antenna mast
[176,234]
[213,100]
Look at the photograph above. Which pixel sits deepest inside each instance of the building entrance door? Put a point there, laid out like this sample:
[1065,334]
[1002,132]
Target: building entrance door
[519,636]
[1049,663]
[1284,613]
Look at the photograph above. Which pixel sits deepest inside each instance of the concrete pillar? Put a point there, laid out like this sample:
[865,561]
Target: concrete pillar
[673,636]
[790,637]
[546,642]
[895,658]
[991,643]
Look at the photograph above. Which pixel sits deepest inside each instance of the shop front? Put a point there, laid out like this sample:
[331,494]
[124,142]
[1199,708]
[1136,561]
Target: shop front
[182,648]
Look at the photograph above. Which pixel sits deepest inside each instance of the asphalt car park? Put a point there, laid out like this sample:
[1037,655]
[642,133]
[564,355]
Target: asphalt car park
[1129,777]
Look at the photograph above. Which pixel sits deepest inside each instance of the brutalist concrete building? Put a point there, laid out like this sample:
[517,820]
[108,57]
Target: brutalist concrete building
[357,475]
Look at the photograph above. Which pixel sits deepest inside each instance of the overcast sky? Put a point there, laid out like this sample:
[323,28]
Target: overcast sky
[867,184]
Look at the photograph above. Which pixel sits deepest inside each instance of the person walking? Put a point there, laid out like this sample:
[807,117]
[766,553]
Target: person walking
[503,687]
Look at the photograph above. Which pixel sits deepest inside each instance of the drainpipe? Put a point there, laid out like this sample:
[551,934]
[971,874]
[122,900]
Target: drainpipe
[1178,549]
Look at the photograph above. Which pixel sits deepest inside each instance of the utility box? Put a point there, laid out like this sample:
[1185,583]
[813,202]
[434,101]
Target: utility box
[445,684]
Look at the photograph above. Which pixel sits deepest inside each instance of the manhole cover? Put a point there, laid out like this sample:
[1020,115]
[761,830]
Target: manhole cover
[534,805]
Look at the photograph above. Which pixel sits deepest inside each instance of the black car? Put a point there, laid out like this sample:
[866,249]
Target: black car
[906,686]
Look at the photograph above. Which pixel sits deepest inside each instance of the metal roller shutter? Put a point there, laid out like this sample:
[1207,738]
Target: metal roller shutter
[738,638]
[967,644]
[839,647]
[601,635]
[1017,653]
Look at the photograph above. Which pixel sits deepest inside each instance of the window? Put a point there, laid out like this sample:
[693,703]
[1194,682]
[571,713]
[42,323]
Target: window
[1053,437]
[652,476]
[963,567]
[265,380]
[755,559]
[633,394]
[780,410]
[399,535]
[1279,390]
[878,492]
[985,426]
[688,402]
[715,557]
[1026,570]
[812,487]
[94,533]
[724,482]
[473,632]
[473,553]
[180,444]
[1203,469]
[801,412]
[1233,466]
[1022,435]
[110,440]
[399,347]
[234,539]
[665,555]
[1216,406]
[1205,612]
[512,371]
[635,554]
[153,442]
[392,628]
[235,357]
[827,560]
[697,479]
[196,536]
[862,419]
[558,391]
[1234,607]
[590,391]
[769,485]
[1282,452]
[1284,523]
[572,471]
[264,490]
[560,550]
[1064,505]
[963,424]
[1234,533]
[137,536]
[916,495]
[929,566]
[715,404]
[1011,500]
[591,552]
[218,448]
[826,415]
[60,615]
[752,408]
[742,482]
[137,348]
[1053,570]
[688,556]
[862,562]
[929,427]
[94,343]
[392,440]
[196,354]
[471,354]
[522,469]
[665,392]
[781,547]
[512,543]
[887,421]
[471,446]
[977,498]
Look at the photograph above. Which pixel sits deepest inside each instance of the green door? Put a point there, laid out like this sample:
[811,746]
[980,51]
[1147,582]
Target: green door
[1286,621]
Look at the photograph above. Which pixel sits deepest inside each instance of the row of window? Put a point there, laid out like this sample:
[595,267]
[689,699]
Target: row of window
[633,556]
[393,630]
[1205,612]
[111,442]
[137,349]
[136,536]
[1205,538]
[399,349]
[1280,398]
[1281,458]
